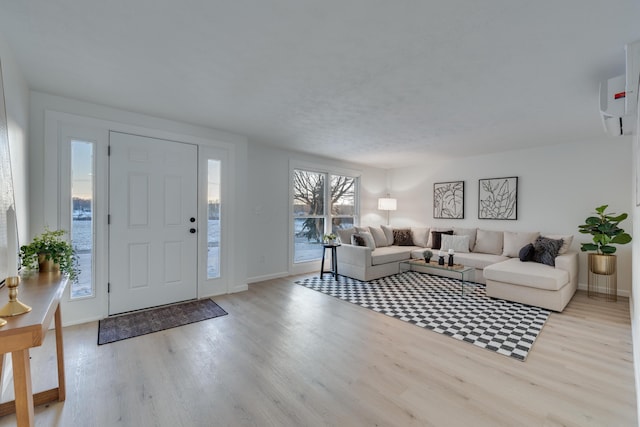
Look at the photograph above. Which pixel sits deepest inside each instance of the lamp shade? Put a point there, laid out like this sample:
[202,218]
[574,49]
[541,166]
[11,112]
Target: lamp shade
[387,204]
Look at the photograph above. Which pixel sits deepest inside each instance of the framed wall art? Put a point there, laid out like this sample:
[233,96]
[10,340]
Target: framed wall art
[448,200]
[498,198]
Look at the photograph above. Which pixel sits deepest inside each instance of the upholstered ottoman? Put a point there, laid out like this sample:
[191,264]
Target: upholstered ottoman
[533,283]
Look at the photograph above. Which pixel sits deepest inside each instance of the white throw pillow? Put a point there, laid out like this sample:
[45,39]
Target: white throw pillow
[471,232]
[459,244]
[378,237]
[368,239]
[567,239]
[516,240]
[388,232]
[420,236]
[489,242]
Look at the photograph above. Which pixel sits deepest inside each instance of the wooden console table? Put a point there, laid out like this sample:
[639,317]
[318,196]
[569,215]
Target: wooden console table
[43,293]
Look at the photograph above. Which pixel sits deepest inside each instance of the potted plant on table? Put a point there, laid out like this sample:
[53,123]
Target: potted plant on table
[427,254]
[49,252]
[606,232]
[329,239]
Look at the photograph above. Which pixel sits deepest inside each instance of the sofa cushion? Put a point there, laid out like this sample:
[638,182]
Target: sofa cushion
[471,232]
[489,242]
[477,260]
[457,243]
[515,240]
[390,254]
[436,238]
[530,274]
[378,237]
[344,235]
[420,236]
[388,232]
[546,250]
[567,239]
[402,237]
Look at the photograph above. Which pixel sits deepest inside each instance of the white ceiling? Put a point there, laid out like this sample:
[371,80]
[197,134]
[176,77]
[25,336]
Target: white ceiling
[380,82]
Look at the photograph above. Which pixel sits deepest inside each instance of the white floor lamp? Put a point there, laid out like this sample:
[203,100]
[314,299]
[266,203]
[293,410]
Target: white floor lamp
[387,204]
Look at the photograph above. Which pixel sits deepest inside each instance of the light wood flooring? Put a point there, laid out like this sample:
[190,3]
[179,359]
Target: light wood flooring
[289,356]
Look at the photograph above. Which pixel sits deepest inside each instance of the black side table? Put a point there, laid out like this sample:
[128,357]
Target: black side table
[334,259]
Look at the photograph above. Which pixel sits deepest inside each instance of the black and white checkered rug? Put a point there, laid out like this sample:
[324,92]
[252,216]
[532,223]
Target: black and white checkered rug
[436,303]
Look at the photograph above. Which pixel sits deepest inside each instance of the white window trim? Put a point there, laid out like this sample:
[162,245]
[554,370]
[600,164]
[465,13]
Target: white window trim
[310,266]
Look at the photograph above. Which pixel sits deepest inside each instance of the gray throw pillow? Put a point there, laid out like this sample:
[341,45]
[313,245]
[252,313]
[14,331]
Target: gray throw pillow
[546,250]
[526,253]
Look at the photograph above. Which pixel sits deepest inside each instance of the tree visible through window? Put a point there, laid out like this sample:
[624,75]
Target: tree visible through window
[312,219]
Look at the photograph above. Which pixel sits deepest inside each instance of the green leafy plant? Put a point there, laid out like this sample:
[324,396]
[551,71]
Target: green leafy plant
[605,231]
[427,254]
[329,237]
[51,246]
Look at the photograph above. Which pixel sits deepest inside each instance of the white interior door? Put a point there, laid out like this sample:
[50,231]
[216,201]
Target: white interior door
[153,222]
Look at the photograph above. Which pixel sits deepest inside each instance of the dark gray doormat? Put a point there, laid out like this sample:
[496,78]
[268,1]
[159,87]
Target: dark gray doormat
[118,328]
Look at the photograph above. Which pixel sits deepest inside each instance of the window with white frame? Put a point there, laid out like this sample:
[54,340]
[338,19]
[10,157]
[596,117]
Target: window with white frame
[322,204]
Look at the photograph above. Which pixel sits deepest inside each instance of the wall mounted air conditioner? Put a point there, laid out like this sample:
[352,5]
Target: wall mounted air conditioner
[619,95]
[632,84]
[612,107]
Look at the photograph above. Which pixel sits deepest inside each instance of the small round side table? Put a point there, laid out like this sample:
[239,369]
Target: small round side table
[334,259]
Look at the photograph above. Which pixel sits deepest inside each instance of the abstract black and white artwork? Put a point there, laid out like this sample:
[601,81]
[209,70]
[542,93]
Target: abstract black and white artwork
[498,198]
[448,200]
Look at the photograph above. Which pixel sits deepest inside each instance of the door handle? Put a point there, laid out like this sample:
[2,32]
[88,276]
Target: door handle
[192,219]
[192,230]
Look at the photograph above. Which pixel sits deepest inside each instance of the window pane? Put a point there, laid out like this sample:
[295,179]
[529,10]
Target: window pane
[213,220]
[343,196]
[308,193]
[308,239]
[342,223]
[82,188]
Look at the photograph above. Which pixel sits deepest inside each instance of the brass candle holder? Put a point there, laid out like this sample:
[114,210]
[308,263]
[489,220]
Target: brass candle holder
[14,307]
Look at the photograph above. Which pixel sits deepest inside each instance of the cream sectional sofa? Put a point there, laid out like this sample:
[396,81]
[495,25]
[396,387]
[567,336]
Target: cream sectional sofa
[493,254]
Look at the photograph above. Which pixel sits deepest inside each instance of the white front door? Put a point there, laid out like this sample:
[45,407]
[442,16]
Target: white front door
[153,222]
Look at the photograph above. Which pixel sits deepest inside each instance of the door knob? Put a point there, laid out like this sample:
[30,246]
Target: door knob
[192,230]
[192,219]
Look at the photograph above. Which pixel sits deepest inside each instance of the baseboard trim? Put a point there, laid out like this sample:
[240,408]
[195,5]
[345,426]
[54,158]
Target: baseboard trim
[621,292]
[262,278]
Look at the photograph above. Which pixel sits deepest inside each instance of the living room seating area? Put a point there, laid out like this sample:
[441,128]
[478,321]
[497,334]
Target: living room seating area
[525,267]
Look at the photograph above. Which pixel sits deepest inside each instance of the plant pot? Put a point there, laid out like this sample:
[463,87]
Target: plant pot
[47,265]
[602,264]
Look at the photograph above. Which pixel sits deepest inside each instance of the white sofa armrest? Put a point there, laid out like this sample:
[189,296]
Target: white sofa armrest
[355,255]
[569,263]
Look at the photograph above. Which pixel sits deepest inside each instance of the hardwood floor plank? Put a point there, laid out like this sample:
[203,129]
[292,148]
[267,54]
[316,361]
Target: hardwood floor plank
[290,356]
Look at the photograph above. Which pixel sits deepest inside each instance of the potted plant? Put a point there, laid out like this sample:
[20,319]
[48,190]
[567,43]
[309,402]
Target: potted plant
[329,238]
[427,254]
[606,232]
[50,252]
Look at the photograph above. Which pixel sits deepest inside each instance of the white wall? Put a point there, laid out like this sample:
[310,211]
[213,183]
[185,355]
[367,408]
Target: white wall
[558,187]
[16,96]
[269,210]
